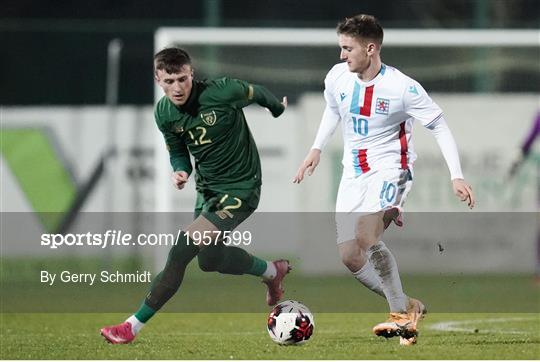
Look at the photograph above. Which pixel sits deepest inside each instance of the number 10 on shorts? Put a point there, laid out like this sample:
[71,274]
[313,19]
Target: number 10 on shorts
[388,192]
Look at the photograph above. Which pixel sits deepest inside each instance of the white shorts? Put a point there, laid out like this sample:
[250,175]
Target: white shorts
[369,193]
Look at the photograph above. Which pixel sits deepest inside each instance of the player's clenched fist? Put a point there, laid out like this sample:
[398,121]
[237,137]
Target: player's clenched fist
[179,179]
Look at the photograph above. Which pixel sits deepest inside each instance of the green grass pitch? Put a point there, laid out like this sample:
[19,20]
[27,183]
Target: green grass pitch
[244,336]
[224,317]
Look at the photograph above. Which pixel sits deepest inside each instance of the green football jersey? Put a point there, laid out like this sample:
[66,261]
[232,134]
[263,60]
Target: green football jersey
[212,127]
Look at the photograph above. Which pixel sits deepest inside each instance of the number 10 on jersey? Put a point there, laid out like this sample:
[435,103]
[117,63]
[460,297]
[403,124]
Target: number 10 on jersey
[360,125]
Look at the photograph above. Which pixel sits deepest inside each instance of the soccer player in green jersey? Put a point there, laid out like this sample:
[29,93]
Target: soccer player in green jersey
[205,119]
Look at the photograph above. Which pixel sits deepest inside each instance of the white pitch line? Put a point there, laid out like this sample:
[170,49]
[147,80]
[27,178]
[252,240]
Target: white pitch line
[462,326]
[446,326]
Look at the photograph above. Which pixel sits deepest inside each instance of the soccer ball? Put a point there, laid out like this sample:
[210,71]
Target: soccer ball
[290,322]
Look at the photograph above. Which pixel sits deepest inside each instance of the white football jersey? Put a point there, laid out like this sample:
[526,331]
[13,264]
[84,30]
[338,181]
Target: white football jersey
[376,117]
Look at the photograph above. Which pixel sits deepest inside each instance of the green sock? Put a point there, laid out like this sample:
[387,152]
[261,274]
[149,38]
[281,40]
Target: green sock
[144,313]
[258,268]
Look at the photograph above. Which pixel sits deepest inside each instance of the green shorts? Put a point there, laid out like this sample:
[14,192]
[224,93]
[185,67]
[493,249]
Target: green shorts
[226,210]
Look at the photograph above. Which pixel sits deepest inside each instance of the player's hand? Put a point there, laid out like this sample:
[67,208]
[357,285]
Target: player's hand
[179,179]
[309,165]
[285,102]
[464,191]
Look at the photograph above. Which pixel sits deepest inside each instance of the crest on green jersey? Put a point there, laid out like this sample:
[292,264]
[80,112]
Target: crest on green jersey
[209,118]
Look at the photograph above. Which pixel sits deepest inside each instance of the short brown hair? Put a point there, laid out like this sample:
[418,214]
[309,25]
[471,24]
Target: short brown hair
[171,60]
[362,26]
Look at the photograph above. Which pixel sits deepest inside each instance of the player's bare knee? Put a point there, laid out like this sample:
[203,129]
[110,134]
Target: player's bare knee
[353,262]
[351,255]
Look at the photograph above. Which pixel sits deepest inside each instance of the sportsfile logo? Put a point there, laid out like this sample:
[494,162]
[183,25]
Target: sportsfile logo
[107,239]
[118,238]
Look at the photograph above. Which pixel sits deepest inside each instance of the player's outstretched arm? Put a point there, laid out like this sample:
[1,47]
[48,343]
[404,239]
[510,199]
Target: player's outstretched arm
[265,98]
[464,191]
[310,164]
[179,179]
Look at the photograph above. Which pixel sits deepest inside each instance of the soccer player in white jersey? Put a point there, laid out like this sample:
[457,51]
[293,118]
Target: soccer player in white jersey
[376,105]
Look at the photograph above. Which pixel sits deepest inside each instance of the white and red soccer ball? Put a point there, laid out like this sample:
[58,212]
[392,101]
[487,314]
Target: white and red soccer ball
[290,322]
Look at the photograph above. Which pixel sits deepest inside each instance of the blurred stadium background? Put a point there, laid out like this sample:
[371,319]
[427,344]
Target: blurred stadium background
[78,134]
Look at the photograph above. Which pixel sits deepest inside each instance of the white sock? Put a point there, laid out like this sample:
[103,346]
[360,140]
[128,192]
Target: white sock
[136,325]
[270,272]
[385,266]
[367,276]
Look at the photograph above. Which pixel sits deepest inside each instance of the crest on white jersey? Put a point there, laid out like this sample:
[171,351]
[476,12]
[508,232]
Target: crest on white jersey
[382,106]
